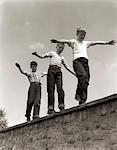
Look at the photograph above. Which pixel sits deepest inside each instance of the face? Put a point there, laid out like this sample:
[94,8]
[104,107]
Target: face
[34,68]
[60,47]
[81,35]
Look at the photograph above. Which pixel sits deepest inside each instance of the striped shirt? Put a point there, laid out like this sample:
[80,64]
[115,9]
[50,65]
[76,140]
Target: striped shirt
[35,76]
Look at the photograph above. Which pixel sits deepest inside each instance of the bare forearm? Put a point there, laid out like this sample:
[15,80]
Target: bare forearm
[39,55]
[71,72]
[113,42]
[44,74]
[18,66]
[64,41]
[98,43]
[21,70]
[60,41]
[69,69]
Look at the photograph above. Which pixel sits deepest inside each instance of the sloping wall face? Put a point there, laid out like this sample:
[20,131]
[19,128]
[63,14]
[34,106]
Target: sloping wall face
[92,126]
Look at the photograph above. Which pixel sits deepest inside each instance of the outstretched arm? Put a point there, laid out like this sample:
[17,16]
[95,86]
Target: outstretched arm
[39,55]
[61,41]
[67,67]
[113,42]
[18,66]
[44,74]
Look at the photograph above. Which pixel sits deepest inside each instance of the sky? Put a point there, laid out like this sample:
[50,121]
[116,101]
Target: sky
[29,25]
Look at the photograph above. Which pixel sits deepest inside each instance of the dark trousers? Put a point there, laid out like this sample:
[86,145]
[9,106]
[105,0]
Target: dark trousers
[81,69]
[34,99]
[54,77]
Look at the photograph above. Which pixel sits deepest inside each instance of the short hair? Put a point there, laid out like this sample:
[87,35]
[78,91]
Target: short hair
[33,63]
[81,29]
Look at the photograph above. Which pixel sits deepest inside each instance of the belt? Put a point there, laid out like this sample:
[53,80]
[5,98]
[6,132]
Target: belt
[35,83]
[81,58]
[55,66]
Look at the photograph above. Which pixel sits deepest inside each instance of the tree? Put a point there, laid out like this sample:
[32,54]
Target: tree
[3,120]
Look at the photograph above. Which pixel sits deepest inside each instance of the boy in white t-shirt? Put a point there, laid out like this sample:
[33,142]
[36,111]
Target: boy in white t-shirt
[54,76]
[80,61]
[34,92]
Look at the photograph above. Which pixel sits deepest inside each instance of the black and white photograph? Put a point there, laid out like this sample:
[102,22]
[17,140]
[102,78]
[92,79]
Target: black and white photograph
[58,75]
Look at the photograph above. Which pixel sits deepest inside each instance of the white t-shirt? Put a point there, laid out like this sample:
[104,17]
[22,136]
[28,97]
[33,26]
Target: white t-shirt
[79,48]
[35,76]
[55,59]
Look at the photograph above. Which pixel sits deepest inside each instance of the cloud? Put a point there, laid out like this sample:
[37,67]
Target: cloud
[27,23]
[36,46]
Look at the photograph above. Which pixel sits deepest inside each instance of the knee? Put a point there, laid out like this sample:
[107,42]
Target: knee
[36,105]
[50,89]
[60,91]
[84,81]
[29,102]
[83,78]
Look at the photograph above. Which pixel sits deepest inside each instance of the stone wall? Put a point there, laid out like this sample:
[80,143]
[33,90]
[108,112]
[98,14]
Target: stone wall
[92,126]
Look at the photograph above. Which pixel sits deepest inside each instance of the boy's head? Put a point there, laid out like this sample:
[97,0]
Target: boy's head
[33,66]
[81,32]
[60,47]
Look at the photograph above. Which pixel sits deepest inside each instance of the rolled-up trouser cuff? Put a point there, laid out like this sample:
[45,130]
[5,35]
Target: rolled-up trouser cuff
[61,106]
[50,107]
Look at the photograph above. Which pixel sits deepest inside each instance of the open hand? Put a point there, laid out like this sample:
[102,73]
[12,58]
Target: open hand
[53,41]
[17,65]
[113,42]
[34,53]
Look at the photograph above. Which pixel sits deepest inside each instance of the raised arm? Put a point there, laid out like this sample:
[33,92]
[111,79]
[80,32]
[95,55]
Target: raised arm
[18,66]
[113,42]
[67,67]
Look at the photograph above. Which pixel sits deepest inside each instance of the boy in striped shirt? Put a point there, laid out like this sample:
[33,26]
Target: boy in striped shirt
[34,92]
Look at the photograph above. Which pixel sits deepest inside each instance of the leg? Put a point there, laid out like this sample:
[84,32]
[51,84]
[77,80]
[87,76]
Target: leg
[28,111]
[36,112]
[37,101]
[78,91]
[60,91]
[86,66]
[30,101]
[82,77]
[51,89]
